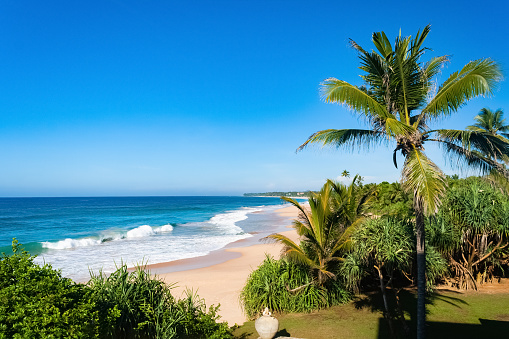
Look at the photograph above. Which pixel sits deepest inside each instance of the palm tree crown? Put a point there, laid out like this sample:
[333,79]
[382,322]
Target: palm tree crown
[398,101]
[490,122]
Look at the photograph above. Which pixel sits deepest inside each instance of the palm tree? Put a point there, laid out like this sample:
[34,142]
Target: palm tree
[399,101]
[345,174]
[325,228]
[490,122]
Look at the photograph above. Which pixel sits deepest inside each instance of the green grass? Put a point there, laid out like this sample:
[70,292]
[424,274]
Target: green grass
[451,315]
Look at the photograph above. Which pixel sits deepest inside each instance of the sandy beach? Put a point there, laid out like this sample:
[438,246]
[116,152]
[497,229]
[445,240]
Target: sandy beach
[221,283]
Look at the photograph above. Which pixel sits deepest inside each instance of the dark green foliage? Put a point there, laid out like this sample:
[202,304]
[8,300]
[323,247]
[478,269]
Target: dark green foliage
[37,302]
[390,199]
[472,230]
[387,244]
[284,286]
[383,244]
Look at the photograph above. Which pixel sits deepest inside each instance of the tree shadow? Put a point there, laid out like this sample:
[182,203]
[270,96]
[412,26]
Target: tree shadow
[486,329]
[408,301]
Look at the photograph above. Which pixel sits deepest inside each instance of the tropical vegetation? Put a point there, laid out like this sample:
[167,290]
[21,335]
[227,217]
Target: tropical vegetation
[354,240]
[325,228]
[471,230]
[37,302]
[399,103]
[287,287]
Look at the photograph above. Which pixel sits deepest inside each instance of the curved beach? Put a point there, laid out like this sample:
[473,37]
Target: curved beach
[224,275]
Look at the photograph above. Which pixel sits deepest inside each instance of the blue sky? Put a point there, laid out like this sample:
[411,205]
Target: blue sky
[119,97]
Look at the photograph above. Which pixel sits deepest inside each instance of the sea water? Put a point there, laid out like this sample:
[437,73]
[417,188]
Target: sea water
[78,235]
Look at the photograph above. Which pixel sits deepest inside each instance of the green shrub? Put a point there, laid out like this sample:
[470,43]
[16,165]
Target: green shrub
[148,310]
[37,302]
[283,286]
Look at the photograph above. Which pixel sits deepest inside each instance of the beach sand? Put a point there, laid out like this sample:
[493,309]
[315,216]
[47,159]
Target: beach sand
[219,277]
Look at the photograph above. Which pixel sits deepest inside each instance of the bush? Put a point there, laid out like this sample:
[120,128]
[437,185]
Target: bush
[148,310]
[37,302]
[283,286]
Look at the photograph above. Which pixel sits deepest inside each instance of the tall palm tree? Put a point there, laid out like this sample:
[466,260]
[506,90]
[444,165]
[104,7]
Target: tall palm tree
[325,228]
[398,101]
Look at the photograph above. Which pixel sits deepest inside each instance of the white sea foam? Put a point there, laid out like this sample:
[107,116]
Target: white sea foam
[146,244]
[141,231]
[165,228]
[70,243]
[138,232]
[227,221]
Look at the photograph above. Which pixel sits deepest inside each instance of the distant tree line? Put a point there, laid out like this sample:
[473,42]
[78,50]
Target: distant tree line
[304,194]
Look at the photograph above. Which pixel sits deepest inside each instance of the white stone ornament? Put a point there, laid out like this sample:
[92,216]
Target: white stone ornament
[266,325]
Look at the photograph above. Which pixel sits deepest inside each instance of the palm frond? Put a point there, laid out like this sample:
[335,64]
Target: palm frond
[459,156]
[433,66]
[382,44]
[348,138]
[476,78]
[290,248]
[492,146]
[424,179]
[416,47]
[338,91]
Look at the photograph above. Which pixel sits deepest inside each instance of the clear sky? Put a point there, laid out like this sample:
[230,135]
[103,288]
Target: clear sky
[118,97]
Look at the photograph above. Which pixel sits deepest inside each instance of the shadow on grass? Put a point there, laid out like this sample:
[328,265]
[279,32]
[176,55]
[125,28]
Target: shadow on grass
[280,333]
[244,335]
[408,301]
[487,329]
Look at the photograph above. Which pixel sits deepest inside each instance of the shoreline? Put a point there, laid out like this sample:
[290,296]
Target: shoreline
[219,276]
[221,255]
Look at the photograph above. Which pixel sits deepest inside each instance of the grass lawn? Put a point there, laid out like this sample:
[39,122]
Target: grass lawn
[451,315]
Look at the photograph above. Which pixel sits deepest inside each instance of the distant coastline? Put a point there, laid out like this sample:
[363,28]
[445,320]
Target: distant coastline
[292,194]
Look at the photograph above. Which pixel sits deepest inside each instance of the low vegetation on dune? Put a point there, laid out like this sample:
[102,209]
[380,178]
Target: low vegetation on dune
[37,302]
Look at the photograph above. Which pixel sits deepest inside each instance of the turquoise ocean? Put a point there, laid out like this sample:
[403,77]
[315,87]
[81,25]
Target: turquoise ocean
[76,235]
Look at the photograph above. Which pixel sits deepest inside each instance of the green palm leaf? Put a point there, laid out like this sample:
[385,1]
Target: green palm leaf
[478,77]
[460,157]
[338,91]
[424,179]
[492,146]
[433,66]
[348,138]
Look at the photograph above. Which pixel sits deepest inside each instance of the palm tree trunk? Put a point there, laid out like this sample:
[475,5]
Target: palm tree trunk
[421,269]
